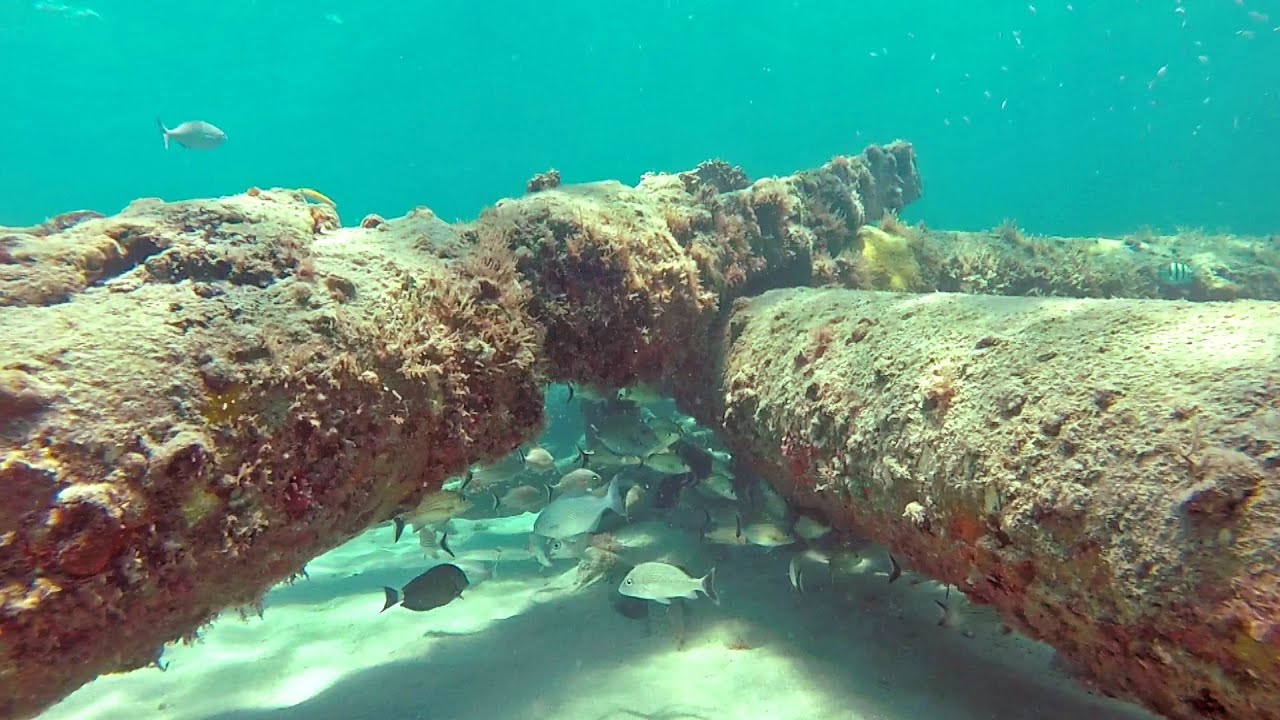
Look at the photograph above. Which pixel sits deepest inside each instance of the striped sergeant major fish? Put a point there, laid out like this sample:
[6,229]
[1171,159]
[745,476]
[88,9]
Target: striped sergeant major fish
[1176,273]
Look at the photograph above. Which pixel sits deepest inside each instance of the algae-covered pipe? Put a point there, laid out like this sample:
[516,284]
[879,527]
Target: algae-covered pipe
[197,398]
[1105,473]
[1189,265]
[628,280]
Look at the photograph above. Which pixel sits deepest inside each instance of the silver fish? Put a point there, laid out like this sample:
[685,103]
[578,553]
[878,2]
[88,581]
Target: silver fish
[538,460]
[667,463]
[767,535]
[521,499]
[506,470]
[193,135]
[577,480]
[667,431]
[642,394]
[626,434]
[572,547]
[603,457]
[567,515]
[661,582]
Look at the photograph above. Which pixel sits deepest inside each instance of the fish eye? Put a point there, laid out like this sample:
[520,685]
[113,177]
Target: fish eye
[629,581]
[556,545]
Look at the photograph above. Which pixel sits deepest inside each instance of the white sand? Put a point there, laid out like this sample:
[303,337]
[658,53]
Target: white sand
[522,645]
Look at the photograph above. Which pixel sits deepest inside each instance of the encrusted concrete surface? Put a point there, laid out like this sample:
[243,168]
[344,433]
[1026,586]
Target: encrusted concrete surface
[197,398]
[1105,473]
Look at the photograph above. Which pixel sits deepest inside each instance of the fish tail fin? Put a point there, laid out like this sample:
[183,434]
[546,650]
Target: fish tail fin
[497,501]
[617,503]
[583,456]
[393,598]
[444,545]
[709,587]
[399,521]
[164,131]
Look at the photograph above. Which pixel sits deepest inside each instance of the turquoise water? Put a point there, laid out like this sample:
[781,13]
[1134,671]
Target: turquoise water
[454,103]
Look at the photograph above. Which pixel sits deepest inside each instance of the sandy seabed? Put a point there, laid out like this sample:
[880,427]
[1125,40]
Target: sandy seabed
[524,643]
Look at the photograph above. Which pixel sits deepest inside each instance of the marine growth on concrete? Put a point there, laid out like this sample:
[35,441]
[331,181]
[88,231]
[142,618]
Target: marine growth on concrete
[198,397]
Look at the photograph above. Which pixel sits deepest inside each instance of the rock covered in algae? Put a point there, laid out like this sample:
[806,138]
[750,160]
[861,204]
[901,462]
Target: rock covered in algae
[628,279]
[199,397]
[1007,261]
[1105,473]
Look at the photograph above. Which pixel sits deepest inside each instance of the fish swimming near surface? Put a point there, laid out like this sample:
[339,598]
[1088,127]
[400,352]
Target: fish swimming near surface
[193,135]
[661,582]
[434,588]
[570,515]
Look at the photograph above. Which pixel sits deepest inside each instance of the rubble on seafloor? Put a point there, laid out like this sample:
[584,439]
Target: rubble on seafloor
[198,397]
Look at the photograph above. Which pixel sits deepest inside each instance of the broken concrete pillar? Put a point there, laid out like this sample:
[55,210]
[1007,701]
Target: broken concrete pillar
[629,279]
[1105,473]
[198,398]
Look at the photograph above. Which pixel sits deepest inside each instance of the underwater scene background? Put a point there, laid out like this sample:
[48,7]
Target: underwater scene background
[1048,118]
[628,560]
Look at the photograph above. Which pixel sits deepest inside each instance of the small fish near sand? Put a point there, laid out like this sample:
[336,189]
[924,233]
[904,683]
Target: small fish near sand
[1176,273]
[661,583]
[434,588]
[568,516]
[193,135]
